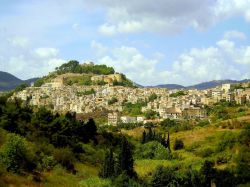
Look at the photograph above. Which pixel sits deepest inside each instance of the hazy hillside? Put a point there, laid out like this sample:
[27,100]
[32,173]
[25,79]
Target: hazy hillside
[201,86]
[169,86]
[211,84]
[9,81]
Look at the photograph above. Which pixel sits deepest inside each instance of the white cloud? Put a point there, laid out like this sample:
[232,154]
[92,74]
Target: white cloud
[46,52]
[131,62]
[98,48]
[18,41]
[53,63]
[224,60]
[107,29]
[234,35]
[26,66]
[155,16]
[26,63]
[199,65]
[232,8]
[167,16]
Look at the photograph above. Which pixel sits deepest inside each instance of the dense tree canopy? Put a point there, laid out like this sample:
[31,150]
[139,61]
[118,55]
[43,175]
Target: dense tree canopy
[74,66]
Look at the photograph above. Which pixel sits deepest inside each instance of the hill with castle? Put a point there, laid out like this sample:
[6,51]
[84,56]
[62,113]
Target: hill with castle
[86,74]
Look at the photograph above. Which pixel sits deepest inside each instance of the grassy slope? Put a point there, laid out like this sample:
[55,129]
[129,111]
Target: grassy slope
[196,141]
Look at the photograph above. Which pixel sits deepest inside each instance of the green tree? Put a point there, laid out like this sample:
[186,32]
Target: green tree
[152,150]
[15,155]
[71,66]
[244,137]
[177,94]
[242,165]
[152,97]
[125,181]
[208,173]
[108,165]
[125,159]
[163,177]
[178,144]
[39,82]
[65,157]
[112,100]
[143,140]
[90,128]
[21,87]
[150,114]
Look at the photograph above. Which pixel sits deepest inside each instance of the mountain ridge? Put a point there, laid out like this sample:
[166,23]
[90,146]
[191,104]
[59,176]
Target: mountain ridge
[201,86]
[9,81]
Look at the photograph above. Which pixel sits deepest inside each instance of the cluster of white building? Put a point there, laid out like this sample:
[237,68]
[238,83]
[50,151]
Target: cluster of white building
[61,98]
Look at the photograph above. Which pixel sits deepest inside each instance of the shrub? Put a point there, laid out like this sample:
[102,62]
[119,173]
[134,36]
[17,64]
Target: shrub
[228,139]
[16,156]
[65,157]
[124,181]
[91,152]
[193,146]
[48,162]
[242,165]
[58,170]
[244,136]
[161,176]
[224,178]
[205,152]
[208,172]
[152,150]
[203,123]
[178,144]
[223,158]
[95,181]
[112,100]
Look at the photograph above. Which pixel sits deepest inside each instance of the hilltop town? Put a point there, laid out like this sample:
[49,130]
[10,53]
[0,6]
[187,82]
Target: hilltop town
[124,103]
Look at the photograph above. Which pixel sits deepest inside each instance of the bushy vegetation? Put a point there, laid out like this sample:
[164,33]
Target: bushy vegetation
[43,80]
[74,66]
[87,92]
[64,133]
[124,82]
[112,100]
[176,126]
[178,144]
[16,155]
[152,150]
[50,149]
[152,97]
[83,80]
[224,110]
[21,87]
[134,109]
[151,114]
[177,94]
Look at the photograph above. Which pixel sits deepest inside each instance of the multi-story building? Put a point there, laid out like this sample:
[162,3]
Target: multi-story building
[113,118]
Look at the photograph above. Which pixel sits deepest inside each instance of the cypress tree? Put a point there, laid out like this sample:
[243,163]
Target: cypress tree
[143,137]
[125,162]
[108,165]
[150,135]
[163,139]
[168,143]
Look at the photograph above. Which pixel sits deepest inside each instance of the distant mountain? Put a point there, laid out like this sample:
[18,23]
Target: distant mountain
[169,86]
[212,84]
[202,86]
[29,81]
[9,81]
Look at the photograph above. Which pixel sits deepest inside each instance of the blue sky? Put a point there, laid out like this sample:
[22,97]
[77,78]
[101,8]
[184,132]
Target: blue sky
[151,41]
